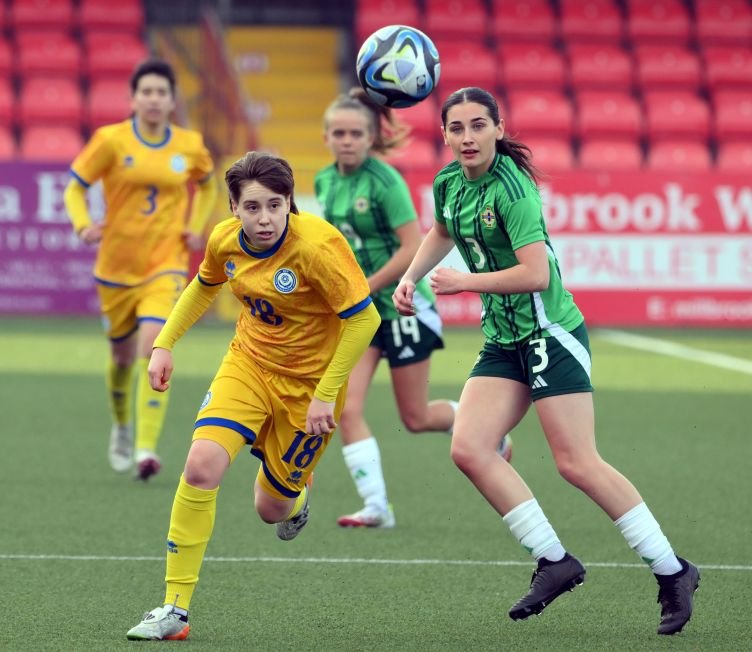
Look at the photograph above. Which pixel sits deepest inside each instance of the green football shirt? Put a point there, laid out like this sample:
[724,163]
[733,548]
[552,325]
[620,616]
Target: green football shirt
[368,206]
[488,219]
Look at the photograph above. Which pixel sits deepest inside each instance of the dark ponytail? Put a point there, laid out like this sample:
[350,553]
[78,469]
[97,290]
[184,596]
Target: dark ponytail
[517,151]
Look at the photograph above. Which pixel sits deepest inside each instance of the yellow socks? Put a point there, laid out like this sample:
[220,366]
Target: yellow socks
[120,392]
[151,408]
[191,525]
[299,502]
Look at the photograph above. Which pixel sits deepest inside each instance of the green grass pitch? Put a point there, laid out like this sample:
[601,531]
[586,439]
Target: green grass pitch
[82,549]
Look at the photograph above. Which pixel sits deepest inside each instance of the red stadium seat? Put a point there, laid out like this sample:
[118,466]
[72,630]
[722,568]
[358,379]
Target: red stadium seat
[530,66]
[7,145]
[50,144]
[610,155]
[603,114]
[443,16]
[7,101]
[599,67]
[591,20]
[370,15]
[735,157]
[48,53]
[466,63]
[45,101]
[674,115]
[733,114]
[535,114]
[667,67]
[532,21]
[108,102]
[123,15]
[728,68]
[658,21]
[678,156]
[41,14]
[6,58]
[424,119]
[551,154]
[417,155]
[724,22]
[113,55]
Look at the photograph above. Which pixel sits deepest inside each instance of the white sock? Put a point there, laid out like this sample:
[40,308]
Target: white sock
[531,527]
[643,534]
[454,405]
[363,460]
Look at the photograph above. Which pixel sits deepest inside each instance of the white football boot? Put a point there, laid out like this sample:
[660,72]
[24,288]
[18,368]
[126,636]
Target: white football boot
[161,624]
[121,448]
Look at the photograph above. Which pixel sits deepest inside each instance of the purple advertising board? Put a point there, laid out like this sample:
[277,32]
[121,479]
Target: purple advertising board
[44,267]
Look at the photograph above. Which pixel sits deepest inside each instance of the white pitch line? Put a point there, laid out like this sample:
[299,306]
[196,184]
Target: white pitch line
[349,560]
[655,345]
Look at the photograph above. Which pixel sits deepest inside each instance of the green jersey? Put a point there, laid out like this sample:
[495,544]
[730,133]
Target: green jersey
[489,218]
[368,206]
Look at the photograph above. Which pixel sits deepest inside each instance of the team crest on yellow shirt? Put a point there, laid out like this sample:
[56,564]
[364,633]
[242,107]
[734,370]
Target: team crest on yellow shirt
[361,205]
[488,218]
[177,163]
[285,280]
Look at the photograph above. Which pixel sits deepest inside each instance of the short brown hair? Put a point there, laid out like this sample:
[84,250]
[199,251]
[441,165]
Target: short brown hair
[270,171]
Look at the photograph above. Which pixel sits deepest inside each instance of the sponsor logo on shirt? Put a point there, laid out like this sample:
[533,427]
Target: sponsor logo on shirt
[128,161]
[285,280]
[447,213]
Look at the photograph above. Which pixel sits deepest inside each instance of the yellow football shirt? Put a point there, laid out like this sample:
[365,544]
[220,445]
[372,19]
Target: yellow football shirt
[146,194]
[295,294]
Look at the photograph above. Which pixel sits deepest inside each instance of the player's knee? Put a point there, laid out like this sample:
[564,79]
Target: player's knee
[201,474]
[415,422]
[464,456]
[272,513]
[123,360]
[577,470]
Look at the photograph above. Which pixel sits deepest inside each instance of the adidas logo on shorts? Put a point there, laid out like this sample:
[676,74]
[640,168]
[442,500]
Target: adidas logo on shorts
[539,383]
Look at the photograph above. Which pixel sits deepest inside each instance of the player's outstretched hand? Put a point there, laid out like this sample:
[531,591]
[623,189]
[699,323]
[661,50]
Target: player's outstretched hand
[446,280]
[192,241]
[320,417]
[92,234]
[160,369]
[403,298]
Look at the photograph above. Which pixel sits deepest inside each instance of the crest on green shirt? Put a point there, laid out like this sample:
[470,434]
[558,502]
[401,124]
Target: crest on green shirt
[488,218]
[361,204]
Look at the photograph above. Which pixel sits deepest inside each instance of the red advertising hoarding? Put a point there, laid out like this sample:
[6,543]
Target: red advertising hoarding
[44,268]
[641,249]
[636,249]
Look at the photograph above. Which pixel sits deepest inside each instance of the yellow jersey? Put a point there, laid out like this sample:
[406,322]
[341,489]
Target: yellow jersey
[146,194]
[295,295]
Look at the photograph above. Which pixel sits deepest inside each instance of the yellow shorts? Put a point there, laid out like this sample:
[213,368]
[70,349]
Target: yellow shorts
[124,307]
[247,404]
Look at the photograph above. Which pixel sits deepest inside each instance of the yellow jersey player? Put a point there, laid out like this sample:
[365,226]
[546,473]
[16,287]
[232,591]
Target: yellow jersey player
[145,165]
[307,318]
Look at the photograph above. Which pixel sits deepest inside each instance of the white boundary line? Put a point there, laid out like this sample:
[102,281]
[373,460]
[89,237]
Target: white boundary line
[664,347]
[346,560]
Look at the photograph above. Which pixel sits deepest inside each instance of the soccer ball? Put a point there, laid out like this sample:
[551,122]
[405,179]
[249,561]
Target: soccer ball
[398,66]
